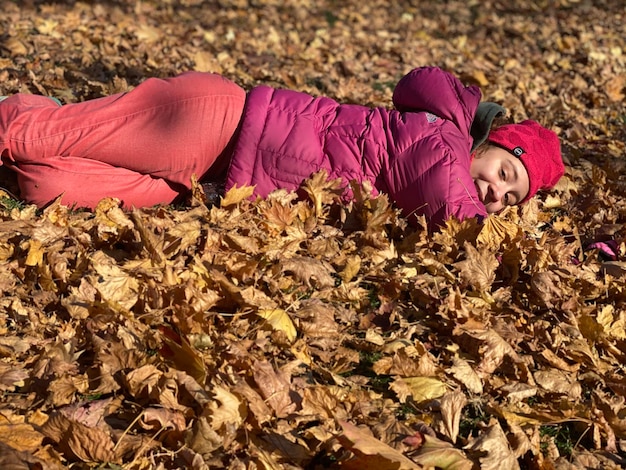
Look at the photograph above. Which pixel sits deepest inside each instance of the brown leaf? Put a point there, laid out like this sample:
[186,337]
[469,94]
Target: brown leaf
[452,404]
[21,437]
[14,459]
[226,410]
[496,230]
[183,355]
[556,381]
[464,373]
[275,388]
[492,351]
[435,453]
[114,285]
[11,377]
[80,442]
[478,268]
[493,449]
[256,405]
[370,453]
[310,271]
[155,419]
[202,438]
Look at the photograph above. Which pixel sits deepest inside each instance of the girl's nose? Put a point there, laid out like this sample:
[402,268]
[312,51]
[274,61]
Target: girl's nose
[495,193]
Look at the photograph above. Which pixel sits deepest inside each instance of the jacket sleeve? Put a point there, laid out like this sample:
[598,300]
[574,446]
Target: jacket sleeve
[430,175]
[436,91]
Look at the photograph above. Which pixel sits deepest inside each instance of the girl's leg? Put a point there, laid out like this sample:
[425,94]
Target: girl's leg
[85,182]
[166,128]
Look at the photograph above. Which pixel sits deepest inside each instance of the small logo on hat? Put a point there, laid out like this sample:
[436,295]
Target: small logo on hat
[518,151]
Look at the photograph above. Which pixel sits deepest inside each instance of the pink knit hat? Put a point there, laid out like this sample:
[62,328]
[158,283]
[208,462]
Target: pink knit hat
[539,150]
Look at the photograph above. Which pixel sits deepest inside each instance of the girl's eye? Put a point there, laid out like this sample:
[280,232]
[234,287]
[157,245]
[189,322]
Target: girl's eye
[502,174]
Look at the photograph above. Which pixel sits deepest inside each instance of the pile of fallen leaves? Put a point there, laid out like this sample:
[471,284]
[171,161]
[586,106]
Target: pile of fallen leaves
[307,333]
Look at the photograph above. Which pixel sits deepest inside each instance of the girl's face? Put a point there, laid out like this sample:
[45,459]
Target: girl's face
[500,178]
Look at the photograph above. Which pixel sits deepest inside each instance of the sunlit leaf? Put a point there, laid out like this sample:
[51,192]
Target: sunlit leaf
[279,320]
[236,194]
[420,388]
[370,453]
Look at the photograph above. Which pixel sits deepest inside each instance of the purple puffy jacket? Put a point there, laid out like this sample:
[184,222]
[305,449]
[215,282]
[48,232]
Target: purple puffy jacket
[419,155]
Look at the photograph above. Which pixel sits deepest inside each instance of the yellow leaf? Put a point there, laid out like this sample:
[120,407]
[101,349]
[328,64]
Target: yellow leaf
[352,268]
[480,78]
[147,33]
[279,320]
[35,253]
[206,62]
[452,404]
[495,230]
[552,202]
[322,191]
[48,27]
[236,194]
[494,448]
[420,388]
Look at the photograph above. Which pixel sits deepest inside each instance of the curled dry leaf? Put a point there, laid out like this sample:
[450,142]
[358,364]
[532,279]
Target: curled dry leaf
[80,442]
[494,449]
[440,454]
[451,406]
[279,320]
[370,453]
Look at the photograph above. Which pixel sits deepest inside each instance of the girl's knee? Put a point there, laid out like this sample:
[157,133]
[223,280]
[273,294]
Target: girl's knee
[208,84]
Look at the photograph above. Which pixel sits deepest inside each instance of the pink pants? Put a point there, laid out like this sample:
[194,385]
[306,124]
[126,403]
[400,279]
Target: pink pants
[142,146]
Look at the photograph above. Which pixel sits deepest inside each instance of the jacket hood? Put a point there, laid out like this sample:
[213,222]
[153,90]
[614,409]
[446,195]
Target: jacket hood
[438,92]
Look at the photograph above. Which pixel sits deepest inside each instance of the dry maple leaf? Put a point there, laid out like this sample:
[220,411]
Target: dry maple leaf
[20,437]
[275,387]
[80,442]
[115,286]
[462,371]
[554,303]
[492,350]
[478,268]
[322,191]
[235,195]
[496,230]
[310,271]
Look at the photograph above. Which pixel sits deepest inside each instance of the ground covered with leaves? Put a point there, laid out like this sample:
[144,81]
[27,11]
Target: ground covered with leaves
[303,333]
